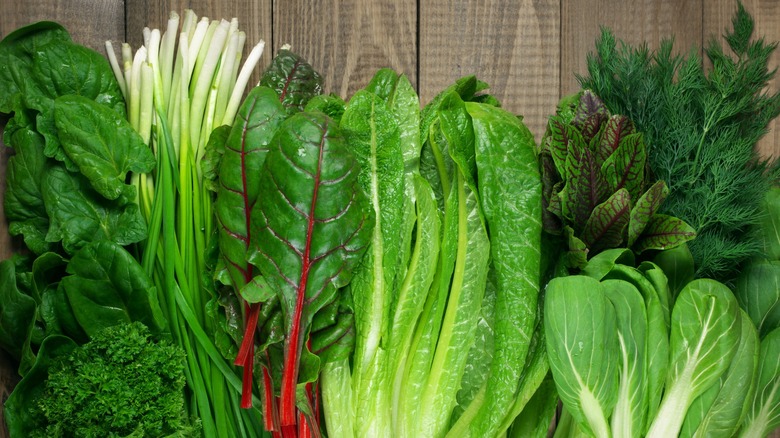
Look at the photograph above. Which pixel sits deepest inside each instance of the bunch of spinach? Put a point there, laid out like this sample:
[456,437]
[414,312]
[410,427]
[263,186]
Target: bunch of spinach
[629,361]
[66,196]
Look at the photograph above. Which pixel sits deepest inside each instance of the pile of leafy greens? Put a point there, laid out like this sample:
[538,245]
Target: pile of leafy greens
[66,197]
[701,130]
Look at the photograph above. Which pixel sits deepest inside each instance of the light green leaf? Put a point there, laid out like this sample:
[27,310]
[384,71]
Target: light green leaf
[764,412]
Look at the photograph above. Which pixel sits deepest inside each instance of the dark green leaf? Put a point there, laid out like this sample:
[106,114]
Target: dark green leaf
[215,148]
[615,129]
[625,168]
[24,205]
[18,312]
[106,286]
[606,226]
[644,209]
[102,144]
[664,232]
[758,292]
[239,177]
[79,215]
[330,104]
[293,79]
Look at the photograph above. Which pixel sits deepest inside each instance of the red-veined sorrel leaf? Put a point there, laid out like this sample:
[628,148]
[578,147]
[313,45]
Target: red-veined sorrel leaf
[644,209]
[589,105]
[606,226]
[585,185]
[625,168]
[591,127]
[293,79]
[550,213]
[616,128]
[309,229]
[561,135]
[664,232]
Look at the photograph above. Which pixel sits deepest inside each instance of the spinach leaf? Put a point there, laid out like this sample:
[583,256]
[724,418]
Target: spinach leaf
[102,144]
[107,286]
[17,315]
[79,215]
[24,205]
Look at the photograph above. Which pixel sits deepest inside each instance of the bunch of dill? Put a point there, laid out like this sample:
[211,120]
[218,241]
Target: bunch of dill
[701,129]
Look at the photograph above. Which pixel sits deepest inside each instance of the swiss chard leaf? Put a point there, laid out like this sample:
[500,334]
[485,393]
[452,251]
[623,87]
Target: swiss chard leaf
[308,231]
[79,215]
[293,79]
[239,176]
[102,144]
[107,286]
[24,203]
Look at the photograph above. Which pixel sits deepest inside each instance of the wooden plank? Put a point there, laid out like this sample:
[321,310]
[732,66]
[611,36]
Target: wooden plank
[347,41]
[254,18]
[513,46]
[717,19]
[632,21]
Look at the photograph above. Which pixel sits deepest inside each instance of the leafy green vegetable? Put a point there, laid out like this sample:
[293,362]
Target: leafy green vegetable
[580,329]
[293,79]
[308,231]
[763,415]
[594,188]
[701,129]
[122,382]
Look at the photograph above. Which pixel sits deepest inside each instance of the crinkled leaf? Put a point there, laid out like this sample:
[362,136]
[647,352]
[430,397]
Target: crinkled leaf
[79,215]
[585,186]
[644,209]
[102,144]
[293,79]
[664,232]
[615,129]
[309,229]
[240,171]
[330,104]
[582,347]
[606,226]
[510,193]
[23,205]
[625,168]
[107,286]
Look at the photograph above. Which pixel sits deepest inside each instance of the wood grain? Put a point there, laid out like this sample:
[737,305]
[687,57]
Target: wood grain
[254,18]
[631,21]
[347,41]
[766,13]
[513,46]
